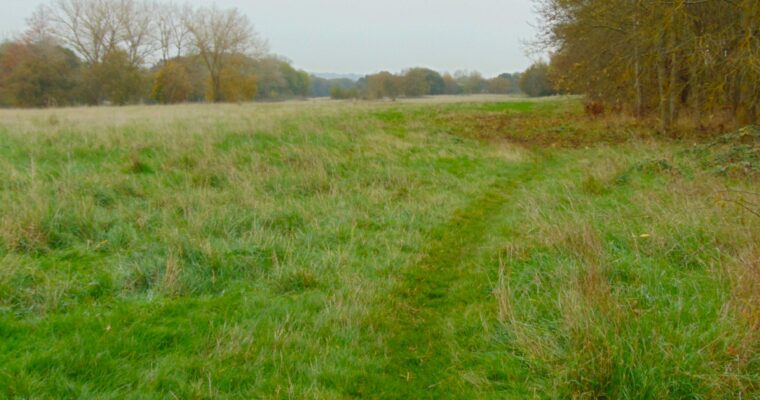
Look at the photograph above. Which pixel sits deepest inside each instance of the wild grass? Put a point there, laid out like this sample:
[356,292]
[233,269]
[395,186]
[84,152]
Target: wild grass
[625,289]
[476,248]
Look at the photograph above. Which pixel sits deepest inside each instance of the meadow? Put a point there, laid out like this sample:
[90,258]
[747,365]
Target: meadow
[469,247]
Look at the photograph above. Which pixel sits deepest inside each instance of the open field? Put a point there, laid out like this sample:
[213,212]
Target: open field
[479,248]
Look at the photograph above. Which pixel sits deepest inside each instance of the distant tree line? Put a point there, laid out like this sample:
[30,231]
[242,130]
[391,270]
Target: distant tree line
[145,51]
[418,82]
[129,51]
[667,59]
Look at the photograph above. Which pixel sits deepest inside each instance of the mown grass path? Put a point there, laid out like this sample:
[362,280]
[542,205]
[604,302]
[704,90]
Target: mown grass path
[419,361]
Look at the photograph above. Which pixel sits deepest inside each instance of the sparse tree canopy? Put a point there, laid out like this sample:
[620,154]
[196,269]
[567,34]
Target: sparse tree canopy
[171,29]
[217,35]
[89,27]
[136,21]
[94,28]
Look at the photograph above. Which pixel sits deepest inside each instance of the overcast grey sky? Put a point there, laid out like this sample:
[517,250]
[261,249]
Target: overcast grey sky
[364,36]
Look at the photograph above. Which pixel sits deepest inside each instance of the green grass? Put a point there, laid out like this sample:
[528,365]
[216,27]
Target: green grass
[505,249]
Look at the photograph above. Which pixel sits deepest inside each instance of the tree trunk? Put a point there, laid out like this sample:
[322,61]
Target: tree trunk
[661,71]
[736,95]
[637,64]
[696,93]
[216,83]
[673,83]
[637,85]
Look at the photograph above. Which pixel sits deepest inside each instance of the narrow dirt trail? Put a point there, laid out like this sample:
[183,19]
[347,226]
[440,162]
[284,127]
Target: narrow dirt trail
[419,361]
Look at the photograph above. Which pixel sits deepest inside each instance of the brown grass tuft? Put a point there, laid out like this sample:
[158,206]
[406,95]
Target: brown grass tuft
[745,276]
[172,272]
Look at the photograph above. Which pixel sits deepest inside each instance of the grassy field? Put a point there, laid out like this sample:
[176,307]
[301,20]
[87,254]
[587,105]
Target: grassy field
[467,248]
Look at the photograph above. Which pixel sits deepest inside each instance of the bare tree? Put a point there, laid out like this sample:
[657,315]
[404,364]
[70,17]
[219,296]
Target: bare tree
[94,28]
[219,34]
[136,23]
[89,27]
[38,24]
[172,34]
